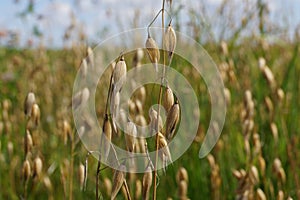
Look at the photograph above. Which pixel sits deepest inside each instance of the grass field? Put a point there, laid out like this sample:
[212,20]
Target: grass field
[256,157]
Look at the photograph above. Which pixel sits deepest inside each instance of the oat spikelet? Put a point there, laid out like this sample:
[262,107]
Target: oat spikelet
[118,180]
[107,186]
[170,40]
[260,194]
[147,182]
[119,73]
[37,167]
[172,121]
[106,137]
[154,120]
[26,170]
[130,135]
[153,51]
[80,98]
[168,100]
[138,189]
[28,103]
[182,175]
[28,143]
[35,114]
[81,175]
[182,190]
[164,150]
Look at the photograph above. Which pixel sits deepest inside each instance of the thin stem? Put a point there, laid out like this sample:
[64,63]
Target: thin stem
[106,115]
[161,10]
[159,102]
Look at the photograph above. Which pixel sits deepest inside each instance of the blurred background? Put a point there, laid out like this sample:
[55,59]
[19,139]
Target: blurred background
[53,23]
[255,45]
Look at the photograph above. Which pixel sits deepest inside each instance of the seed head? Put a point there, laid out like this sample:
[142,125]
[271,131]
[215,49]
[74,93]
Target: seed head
[107,186]
[37,167]
[106,136]
[130,135]
[168,100]
[26,171]
[154,120]
[164,148]
[138,189]
[153,52]
[260,194]
[182,175]
[29,101]
[172,121]
[182,190]
[81,175]
[119,73]
[35,114]
[253,175]
[147,182]
[170,40]
[80,98]
[118,180]
[28,143]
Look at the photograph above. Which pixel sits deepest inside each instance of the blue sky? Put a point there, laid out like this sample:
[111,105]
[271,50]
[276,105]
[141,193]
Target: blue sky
[101,18]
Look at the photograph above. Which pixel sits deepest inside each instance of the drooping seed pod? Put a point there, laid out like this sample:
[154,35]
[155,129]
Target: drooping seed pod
[280,195]
[141,94]
[260,194]
[168,100]
[147,182]
[106,137]
[262,165]
[37,167]
[26,170]
[172,121]
[47,183]
[253,175]
[269,75]
[131,134]
[107,186]
[164,149]
[182,190]
[137,58]
[170,40]
[227,96]
[81,176]
[84,68]
[153,51]
[35,114]
[90,56]
[138,106]
[28,103]
[67,131]
[80,98]
[269,104]
[138,189]
[118,180]
[28,143]
[261,63]
[182,175]
[224,48]
[280,94]
[154,120]
[119,74]
[115,103]
[10,148]
[141,143]
[274,131]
